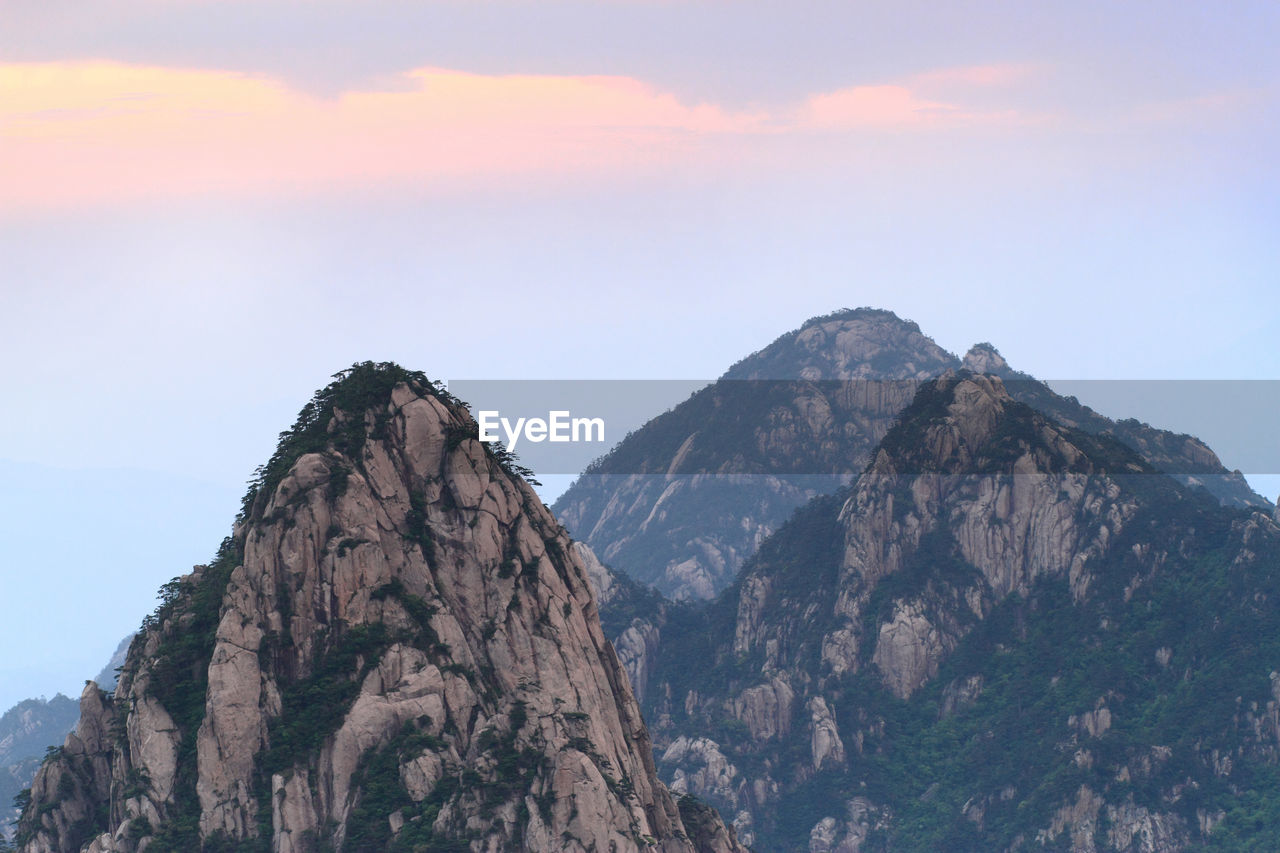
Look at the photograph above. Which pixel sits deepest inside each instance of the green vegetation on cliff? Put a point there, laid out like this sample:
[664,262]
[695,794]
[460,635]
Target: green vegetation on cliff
[1148,701]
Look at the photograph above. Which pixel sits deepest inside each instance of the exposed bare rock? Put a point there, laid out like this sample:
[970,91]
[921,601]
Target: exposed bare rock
[1078,820]
[1134,828]
[824,739]
[27,730]
[698,767]
[751,606]
[960,693]
[399,603]
[601,577]
[293,813]
[909,649]
[77,779]
[637,647]
[1012,527]
[805,414]
[766,709]
[633,617]
[984,358]
[822,837]
[1186,459]
[1092,723]
[830,835]
[706,830]
[864,816]
[977,517]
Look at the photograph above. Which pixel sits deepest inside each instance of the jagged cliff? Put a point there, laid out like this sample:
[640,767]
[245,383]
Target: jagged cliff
[397,649]
[1008,633]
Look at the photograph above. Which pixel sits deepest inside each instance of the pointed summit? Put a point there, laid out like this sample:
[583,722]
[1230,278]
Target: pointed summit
[796,419]
[859,343]
[793,420]
[1185,458]
[399,649]
[985,358]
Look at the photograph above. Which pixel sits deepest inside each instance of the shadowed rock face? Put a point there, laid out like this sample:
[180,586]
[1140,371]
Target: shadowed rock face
[403,649]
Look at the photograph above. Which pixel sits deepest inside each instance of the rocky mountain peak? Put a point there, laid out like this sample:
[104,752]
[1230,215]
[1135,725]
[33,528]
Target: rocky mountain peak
[965,424]
[985,358]
[948,422]
[399,648]
[953,499]
[798,418]
[793,420]
[862,343]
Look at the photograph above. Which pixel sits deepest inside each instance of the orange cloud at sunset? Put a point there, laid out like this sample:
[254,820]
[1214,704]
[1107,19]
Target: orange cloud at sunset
[99,132]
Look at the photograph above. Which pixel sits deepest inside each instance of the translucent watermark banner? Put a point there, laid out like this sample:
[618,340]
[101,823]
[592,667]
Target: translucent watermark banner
[824,427]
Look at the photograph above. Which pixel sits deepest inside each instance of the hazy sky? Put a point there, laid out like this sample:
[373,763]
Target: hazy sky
[207,208]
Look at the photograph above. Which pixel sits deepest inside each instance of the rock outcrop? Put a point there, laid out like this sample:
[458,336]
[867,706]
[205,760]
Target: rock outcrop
[398,647]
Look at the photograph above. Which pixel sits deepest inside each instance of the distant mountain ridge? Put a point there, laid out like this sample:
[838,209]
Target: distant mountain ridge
[683,501]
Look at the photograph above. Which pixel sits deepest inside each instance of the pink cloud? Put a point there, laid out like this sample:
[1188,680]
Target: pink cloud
[873,106]
[100,132]
[104,131]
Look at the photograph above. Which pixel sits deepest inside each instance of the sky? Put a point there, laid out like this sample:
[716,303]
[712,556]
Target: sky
[208,208]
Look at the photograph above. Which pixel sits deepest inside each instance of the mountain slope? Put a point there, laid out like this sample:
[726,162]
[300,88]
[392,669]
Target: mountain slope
[398,647]
[1185,458]
[682,502]
[34,726]
[1007,634]
[27,730]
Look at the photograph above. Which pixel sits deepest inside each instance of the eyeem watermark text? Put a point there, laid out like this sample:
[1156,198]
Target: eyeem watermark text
[558,426]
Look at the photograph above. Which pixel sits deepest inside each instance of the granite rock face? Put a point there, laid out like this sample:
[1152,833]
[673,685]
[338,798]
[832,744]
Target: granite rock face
[405,649]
